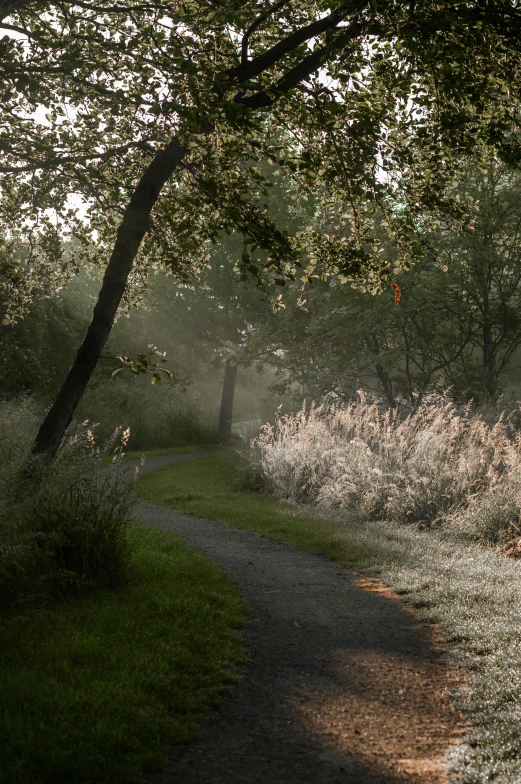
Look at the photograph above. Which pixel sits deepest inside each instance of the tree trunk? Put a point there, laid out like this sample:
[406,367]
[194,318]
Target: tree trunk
[226,413]
[135,224]
[386,383]
[488,372]
[489,382]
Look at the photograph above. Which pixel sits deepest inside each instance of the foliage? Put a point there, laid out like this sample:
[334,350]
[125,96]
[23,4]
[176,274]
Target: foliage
[376,97]
[145,364]
[373,123]
[68,533]
[437,466]
[455,325]
[38,349]
[97,690]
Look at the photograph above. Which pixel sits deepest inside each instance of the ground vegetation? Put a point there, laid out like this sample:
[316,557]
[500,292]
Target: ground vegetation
[118,676]
[89,655]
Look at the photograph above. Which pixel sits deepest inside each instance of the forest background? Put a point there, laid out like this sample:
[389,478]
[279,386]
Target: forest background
[455,326]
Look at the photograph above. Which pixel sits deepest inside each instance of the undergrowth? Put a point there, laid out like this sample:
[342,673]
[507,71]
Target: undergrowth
[63,526]
[157,415]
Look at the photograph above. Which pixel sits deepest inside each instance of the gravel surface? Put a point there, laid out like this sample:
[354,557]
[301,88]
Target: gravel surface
[342,683]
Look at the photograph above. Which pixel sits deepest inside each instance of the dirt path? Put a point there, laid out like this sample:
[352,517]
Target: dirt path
[342,684]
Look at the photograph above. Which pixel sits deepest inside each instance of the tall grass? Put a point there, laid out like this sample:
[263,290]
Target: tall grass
[67,532]
[438,466]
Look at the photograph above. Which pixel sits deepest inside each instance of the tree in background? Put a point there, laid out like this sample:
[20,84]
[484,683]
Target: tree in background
[457,324]
[205,323]
[481,296]
[37,350]
[335,342]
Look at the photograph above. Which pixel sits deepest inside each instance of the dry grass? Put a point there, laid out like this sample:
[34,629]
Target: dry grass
[438,466]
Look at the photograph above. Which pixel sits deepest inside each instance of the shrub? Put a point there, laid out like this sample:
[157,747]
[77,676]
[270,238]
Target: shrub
[67,532]
[438,465]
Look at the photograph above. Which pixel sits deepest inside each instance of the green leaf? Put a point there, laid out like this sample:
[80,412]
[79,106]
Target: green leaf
[156,378]
[118,371]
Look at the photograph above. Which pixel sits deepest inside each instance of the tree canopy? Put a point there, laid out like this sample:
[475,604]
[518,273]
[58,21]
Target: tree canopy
[370,100]
[368,107]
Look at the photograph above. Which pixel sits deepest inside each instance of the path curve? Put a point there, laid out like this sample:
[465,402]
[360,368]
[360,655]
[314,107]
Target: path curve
[342,683]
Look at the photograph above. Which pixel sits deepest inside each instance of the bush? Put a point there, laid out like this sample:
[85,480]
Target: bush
[439,465]
[66,533]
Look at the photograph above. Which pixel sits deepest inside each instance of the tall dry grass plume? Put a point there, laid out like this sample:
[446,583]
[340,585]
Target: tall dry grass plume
[439,465]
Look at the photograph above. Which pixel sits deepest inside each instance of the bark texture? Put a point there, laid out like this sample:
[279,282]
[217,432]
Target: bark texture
[135,224]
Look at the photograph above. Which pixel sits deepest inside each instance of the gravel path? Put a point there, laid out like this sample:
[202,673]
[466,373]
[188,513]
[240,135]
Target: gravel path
[342,683]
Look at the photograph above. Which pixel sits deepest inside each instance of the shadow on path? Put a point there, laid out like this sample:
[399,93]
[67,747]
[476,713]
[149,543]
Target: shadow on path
[342,683]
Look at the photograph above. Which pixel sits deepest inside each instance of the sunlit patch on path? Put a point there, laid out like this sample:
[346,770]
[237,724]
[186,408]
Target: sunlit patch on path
[342,684]
[387,713]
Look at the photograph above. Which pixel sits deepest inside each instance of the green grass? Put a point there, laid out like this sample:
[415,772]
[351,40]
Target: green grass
[474,592]
[207,488]
[96,689]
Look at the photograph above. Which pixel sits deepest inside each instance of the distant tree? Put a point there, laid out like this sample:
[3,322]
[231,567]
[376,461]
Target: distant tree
[458,323]
[336,341]
[37,350]
[209,320]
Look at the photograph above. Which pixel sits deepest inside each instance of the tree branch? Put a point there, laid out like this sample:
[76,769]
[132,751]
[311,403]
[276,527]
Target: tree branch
[253,68]
[251,29]
[21,30]
[52,162]
[307,66]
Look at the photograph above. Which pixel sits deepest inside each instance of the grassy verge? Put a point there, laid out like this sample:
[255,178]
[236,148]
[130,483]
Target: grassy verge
[97,689]
[207,488]
[472,591]
[167,450]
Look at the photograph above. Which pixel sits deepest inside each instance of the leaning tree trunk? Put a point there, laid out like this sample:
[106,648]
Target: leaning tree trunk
[135,224]
[226,413]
